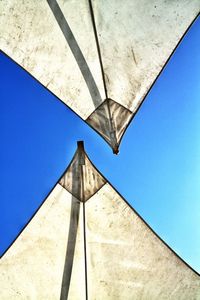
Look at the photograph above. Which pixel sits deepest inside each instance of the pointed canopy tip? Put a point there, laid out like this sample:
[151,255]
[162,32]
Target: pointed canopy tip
[115,150]
[80,145]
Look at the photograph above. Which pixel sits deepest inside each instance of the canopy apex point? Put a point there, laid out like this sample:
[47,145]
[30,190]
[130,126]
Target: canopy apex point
[80,145]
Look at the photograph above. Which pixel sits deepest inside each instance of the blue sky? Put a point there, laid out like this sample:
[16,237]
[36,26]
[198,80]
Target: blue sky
[157,170]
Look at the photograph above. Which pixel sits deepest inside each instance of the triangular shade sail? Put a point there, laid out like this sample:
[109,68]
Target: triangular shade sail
[87,52]
[103,240]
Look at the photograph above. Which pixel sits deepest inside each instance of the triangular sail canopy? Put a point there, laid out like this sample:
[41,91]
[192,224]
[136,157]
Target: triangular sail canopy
[102,239]
[88,52]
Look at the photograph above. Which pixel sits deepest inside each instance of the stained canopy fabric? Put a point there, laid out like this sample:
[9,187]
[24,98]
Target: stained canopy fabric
[98,57]
[103,240]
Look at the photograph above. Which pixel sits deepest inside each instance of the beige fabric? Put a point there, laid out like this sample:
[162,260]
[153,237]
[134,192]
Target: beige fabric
[31,36]
[33,267]
[125,258]
[110,119]
[81,176]
[136,38]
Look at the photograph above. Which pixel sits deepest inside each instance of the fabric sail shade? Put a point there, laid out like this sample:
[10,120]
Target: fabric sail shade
[86,242]
[99,57]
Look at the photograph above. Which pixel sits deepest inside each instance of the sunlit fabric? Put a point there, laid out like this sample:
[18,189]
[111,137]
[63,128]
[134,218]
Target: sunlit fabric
[66,232]
[87,52]
[102,239]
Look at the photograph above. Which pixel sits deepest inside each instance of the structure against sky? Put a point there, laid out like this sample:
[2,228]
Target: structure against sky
[95,56]
[99,253]
[98,237]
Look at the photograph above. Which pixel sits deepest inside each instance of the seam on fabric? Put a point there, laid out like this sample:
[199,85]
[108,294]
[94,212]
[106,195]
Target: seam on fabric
[103,103]
[79,199]
[112,129]
[81,164]
[85,251]
[98,46]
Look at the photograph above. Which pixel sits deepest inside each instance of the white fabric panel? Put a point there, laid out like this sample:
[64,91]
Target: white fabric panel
[136,38]
[33,267]
[125,258]
[31,36]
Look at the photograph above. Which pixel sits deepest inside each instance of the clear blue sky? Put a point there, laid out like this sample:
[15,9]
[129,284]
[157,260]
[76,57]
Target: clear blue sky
[157,170]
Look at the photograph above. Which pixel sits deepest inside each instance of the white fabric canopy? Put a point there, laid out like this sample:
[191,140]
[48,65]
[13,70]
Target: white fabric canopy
[87,52]
[122,257]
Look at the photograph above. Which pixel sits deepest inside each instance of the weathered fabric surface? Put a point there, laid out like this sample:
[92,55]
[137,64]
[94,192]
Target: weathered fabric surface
[33,267]
[110,119]
[125,260]
[82,179]
[55,42]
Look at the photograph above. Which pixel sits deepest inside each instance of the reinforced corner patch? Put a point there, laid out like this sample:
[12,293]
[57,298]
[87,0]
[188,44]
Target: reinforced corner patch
[82,179]
[110,119]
